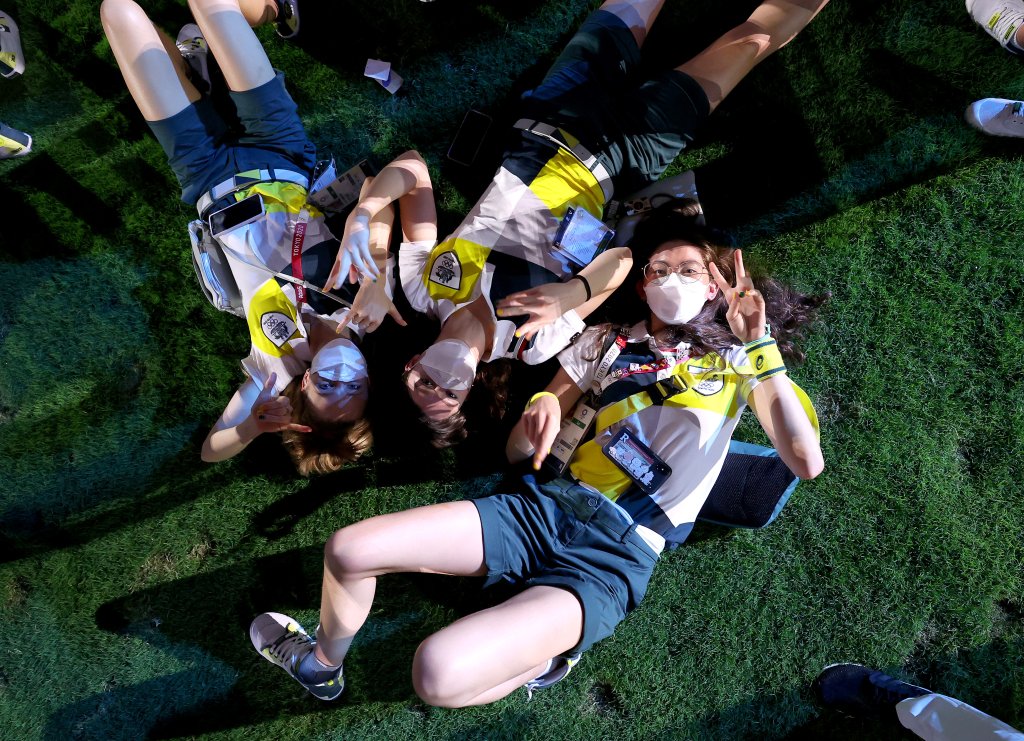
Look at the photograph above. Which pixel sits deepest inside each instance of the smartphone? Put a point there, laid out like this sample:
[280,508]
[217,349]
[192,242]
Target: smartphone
[469,138]
[637,461]
[237,214]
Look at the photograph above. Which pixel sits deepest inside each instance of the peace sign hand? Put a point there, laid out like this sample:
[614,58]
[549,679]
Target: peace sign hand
[272,413]
[746,314]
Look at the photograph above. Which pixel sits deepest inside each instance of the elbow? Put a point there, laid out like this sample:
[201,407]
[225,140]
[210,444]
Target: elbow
[809,466]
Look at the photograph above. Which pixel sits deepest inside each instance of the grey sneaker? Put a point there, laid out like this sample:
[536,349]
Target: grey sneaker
[560,668]
[287,21]
[194,49]
[282,641]
[12,61]
[13,143]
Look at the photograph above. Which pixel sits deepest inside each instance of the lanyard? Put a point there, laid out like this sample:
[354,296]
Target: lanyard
[298,237]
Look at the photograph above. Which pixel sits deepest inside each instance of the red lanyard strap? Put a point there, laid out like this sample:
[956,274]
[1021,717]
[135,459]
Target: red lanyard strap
[298,237]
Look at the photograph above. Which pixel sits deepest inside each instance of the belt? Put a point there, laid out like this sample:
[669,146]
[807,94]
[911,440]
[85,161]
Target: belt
[558,137]
[244,180]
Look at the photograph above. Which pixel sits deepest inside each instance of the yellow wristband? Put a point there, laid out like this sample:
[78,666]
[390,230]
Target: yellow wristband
[537,396]
[765,358]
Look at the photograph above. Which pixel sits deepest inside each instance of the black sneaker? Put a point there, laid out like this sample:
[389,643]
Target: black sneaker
[287,18]
[857,690]
[283,642]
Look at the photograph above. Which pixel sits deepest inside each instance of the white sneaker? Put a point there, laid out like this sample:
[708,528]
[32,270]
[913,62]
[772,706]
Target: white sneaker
[12,61]
[1000,18]
[194,49]
[997,116]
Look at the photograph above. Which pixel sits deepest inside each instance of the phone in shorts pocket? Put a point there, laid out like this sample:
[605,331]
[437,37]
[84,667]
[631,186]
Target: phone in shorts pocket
[469,138]
[237,214]
[636,460]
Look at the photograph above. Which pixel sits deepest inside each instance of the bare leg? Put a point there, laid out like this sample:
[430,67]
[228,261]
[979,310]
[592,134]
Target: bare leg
[720,67]
[638,15]
[440,539]
[485,656]
[151,65]
[258,12]
[239,53]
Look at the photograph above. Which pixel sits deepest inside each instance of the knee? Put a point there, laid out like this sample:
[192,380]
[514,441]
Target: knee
[121,14]
[436,676]
[343,555]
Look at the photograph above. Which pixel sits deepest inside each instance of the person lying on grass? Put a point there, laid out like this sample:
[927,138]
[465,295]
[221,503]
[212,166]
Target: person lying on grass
[582,560]
[304,377]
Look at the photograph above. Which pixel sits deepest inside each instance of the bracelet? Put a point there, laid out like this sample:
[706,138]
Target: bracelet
[537,396]
[586,284]
[765,358]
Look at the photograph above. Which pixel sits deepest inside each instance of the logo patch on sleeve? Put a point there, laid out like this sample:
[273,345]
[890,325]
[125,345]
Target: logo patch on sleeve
[709,385]
[277,327]
[446,270]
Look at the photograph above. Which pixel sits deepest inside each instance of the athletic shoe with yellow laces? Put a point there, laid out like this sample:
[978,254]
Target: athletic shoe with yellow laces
[282,641]
[287,21]
[13,143]
[12,61]
[1000,19]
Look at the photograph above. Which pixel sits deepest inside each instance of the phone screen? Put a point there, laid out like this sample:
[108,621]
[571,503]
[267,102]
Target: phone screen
[469,137]
[245,211]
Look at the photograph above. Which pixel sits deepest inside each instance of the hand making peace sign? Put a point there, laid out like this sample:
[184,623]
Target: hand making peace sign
[746,313]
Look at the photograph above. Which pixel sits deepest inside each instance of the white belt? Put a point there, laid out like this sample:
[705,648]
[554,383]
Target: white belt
[556,136]
[244,180]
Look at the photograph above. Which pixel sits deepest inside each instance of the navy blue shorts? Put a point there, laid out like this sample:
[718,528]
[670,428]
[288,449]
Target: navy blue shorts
[561,535]
[201,154]
[637,127]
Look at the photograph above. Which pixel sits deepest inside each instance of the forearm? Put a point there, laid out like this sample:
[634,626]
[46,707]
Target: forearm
[402,176]
[787,424]
[226,442]
[604,274]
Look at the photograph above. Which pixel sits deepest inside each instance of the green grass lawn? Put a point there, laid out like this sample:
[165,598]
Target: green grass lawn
[129,569]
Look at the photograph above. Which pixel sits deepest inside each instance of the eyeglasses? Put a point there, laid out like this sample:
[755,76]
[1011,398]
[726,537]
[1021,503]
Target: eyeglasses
[689,272]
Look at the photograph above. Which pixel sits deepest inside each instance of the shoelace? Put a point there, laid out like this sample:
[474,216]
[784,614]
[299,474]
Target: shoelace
[1015,112]
[286,646]
[1005,21]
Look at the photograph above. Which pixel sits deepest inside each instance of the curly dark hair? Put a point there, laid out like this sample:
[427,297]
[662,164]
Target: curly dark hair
[788,311]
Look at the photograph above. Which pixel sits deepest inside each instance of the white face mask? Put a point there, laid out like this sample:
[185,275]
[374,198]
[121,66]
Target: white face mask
[676,302]
[450,364]
[339,360]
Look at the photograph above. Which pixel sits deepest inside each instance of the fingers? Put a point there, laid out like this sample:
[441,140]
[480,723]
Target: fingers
[738,259]
[295,427]
[547,437]
[343,266]
[393,313]
[723,284]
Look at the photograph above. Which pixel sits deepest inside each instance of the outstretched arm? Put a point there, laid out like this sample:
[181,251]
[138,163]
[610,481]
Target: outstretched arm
[250,412]
[544,304]
[536,430]
[407,180]
[773,400]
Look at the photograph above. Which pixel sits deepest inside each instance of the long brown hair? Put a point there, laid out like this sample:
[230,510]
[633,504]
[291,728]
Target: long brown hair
[330,445]
[788,311]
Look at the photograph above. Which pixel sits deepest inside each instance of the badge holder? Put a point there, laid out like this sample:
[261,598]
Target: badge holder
[574,429]
[636,460]
[581,236]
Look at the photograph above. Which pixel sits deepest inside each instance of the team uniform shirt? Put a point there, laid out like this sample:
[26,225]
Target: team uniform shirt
[277,332]
[504,245]
[690,431]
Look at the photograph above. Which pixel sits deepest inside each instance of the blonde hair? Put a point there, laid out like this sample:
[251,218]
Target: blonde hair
[330,445]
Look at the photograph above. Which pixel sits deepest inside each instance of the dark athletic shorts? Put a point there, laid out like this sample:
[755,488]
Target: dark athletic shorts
[198,150]
[561,535]
[637,127]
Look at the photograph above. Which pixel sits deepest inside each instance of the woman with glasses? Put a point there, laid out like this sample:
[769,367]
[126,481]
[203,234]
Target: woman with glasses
[581,549]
